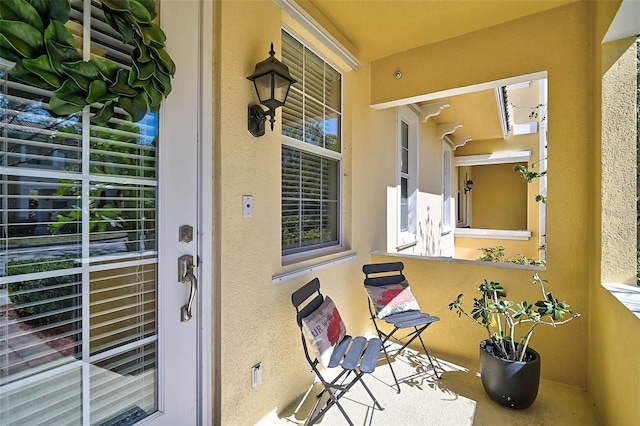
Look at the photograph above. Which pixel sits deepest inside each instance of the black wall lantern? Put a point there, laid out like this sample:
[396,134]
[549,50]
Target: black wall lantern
[272,82]
[468,186]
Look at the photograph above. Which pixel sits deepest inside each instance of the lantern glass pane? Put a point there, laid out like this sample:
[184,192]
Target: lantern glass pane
[281,89]
[263,87]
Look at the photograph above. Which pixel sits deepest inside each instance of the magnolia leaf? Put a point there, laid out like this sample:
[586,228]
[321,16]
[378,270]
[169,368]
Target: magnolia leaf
[166,61]
[155,96]
[42,68]
[141,53]
[98,92]
[20,73]
[56,31]
[105,114]
[7,52]
[145,69]
[20,10]
[21,37]
[139,11]
[121,87]
[107,68]
[60,107]
[133,79]
[59,54]
[124,28]
[60,10]
[164,80]
[72,93]
[82,72]
[150,5]
[119,5]
[152,32]
[136,107]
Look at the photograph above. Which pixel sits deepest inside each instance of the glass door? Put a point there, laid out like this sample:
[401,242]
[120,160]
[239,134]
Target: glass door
[89,292]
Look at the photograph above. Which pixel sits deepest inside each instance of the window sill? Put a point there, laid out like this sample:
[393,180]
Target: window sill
[496,234]
[627,294]
[333,258]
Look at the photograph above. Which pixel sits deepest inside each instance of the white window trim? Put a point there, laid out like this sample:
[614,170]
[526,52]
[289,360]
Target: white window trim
[494,158]
[290,142]
[408,238]
[447,225]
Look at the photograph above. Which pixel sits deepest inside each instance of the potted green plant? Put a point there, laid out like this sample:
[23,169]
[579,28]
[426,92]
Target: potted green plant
[509,368]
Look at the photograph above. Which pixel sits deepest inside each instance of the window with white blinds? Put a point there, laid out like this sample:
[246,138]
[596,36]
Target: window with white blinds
[78,259]
[311,151]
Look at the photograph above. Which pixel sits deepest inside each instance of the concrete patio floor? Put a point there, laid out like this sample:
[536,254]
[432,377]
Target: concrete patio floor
[456,399]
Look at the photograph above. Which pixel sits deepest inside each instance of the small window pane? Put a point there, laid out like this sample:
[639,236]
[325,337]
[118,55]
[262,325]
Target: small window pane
[333,84]
[292,57]
[292,121]
[332,131]
[313,122]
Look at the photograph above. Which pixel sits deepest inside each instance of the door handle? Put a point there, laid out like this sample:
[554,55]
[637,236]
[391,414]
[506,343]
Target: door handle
[186,275]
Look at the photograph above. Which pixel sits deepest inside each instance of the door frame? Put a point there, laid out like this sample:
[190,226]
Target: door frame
[206,394]
[206,334]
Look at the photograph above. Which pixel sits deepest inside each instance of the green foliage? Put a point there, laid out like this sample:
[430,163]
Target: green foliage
[45,300]
[33,35]
[529,175]
[500,317]
[496,254]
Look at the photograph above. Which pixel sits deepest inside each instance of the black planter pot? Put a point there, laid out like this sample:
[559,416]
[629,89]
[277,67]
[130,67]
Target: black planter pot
[513,384]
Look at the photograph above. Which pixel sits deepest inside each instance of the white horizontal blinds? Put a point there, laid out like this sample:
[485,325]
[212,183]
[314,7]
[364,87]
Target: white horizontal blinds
[309,200]
[44,174]
[310,177]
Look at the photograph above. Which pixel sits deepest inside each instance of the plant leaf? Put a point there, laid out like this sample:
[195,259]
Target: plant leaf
[83,73]
[59,54]
[23,38]
[119,5]
[145,69]
[60,107]
[155,96]
[98,92]
[104,115]
[60,10]
[166,61]
[133,79]
[152,32]
[150,5]
[20,10]
[42,68]
[121,86]
[19,72]
[58,32]
[136,107]
[141,53]
[72,93]
[139,11]
[107,68]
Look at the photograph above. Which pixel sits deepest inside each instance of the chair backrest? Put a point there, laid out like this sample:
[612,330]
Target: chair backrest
[302,295]
[383,273]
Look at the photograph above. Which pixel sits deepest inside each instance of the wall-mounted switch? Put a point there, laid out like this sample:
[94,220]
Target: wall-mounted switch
[256,375]
[247,205]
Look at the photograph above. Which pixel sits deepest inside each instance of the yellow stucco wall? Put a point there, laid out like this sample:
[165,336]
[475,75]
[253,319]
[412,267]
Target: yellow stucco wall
[615,340]
[499,198]
[254,321]
[502,51]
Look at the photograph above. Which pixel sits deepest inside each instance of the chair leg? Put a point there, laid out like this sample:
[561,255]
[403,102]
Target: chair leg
[429,356]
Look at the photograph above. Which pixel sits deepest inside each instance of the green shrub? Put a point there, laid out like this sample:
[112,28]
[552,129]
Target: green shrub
[496,254]
[43,297]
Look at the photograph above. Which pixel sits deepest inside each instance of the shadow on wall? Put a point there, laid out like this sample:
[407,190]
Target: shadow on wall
[429,236]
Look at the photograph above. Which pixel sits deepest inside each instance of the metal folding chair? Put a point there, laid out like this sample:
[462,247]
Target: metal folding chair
[391,301]
[356,355]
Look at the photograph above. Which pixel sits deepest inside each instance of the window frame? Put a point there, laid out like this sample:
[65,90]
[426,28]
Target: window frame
[316,250]
[407,236]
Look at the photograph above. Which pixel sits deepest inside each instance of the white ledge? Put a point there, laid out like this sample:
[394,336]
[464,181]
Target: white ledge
[302,271]
[495,234]
[494,158]
[627,294]
[448,128]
